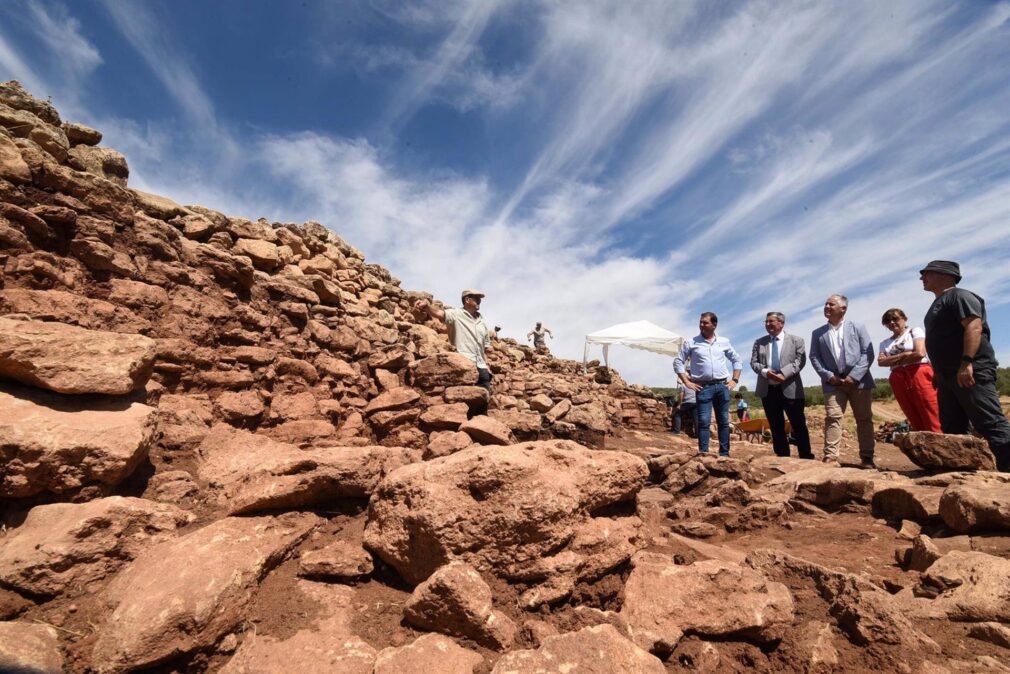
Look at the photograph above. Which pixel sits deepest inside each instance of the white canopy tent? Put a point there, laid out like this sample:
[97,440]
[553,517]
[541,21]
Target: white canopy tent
[637,335]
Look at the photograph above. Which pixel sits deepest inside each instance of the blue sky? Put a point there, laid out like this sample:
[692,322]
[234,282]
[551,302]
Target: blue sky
[584,163]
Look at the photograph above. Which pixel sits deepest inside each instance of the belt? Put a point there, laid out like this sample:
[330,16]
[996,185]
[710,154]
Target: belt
[710,382]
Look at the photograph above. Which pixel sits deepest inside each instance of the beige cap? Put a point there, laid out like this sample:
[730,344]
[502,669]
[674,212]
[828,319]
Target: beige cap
[471,291]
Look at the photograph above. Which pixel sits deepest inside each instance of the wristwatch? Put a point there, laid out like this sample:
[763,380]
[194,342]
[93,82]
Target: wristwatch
[967,359]
[736,381]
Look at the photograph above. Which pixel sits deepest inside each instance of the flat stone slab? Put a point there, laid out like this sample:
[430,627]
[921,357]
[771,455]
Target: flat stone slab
[251,472]
[69,544]
[428,654]
[831,486]
[908,501]
[68,359]
[592,650]
[946,452]
[716,599]
[29,648]
[187,593]
[61,443]
[324,644]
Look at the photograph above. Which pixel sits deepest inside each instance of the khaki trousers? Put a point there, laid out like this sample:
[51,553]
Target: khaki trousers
[835,403]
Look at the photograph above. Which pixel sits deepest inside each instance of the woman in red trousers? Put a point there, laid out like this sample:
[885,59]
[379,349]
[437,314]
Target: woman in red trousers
[911,374]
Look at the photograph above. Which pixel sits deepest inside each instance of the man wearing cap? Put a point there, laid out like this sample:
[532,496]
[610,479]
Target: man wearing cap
[964,363]
[703,366]
[467,330]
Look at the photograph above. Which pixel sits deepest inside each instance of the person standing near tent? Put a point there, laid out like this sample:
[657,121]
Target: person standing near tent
[467,330]
[685,412]
[703,365]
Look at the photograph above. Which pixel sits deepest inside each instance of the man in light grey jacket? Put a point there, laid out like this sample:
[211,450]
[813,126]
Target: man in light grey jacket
[841,352]
[777,358]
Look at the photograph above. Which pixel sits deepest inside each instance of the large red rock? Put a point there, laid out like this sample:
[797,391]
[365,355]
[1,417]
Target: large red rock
[186,593]
[664,601]
[906,501]
[444,369]
[591,650]
[65,544]
[511,511]
[29,648]
[965,587]
[324,644]
[68,359]
[59,443]
[946,452]
[250,472]
[977,505]
[829,486]
[456,600]
[487,431]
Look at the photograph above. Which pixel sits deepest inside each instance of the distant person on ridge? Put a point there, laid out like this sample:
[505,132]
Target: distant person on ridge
[964,363]
[841,352]
[777,358]
[467,330]
[537,333]
[708,357]
[911,374]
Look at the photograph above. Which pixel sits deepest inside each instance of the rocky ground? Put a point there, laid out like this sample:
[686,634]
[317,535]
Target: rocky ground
[230,446]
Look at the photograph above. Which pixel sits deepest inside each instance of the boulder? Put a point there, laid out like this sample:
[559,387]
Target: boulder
[456,600]
[68,359]
[444,443]
[906,501]
[976,505]
[504,510]
[239,406]
[59,444]
[487,431]
[263,254]
[325,644]
[994,633]
[393,399]
[591,415]
[870,617]
[946,452]
[541,402]
[12,166]
[476,397]
[137,294]
[444,369]
[79,134]
[338,559]
[250,472]
[591,650]
[29,648]
[830,486]
[445,417]
[71,545]
[559,411]
[429,653]
[185,594]
[966,587]
[713,599]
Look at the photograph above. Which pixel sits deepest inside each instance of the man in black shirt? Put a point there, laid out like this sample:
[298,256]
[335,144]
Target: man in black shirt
[964,363]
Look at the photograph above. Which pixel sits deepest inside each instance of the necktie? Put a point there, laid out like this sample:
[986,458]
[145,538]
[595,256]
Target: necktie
[775,365]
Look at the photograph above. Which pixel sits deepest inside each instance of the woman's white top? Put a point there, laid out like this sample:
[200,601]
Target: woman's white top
[892,346]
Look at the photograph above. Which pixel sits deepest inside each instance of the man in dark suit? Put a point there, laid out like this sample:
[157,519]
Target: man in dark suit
[777,358]
[841,352]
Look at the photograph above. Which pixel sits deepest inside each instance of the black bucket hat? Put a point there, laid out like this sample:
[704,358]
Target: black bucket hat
[944,267]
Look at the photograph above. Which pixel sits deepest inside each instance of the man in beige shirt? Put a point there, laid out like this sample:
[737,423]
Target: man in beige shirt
[467,330]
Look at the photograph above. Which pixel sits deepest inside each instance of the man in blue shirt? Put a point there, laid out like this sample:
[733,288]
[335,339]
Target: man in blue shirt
[703,366]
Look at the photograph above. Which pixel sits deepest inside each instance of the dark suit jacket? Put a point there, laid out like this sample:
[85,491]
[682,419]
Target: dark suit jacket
[792,359]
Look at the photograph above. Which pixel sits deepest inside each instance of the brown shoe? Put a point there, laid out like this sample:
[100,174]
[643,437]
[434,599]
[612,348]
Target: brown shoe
[867,463]
[828,461]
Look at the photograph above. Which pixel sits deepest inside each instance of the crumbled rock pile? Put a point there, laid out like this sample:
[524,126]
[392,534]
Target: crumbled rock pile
[229,446]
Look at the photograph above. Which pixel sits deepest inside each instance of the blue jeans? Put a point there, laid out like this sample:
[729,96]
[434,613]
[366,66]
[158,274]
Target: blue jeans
[717,396]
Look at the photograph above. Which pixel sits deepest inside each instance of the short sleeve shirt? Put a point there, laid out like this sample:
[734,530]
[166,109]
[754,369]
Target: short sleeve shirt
[892,346]
[469,334]
[945,334]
